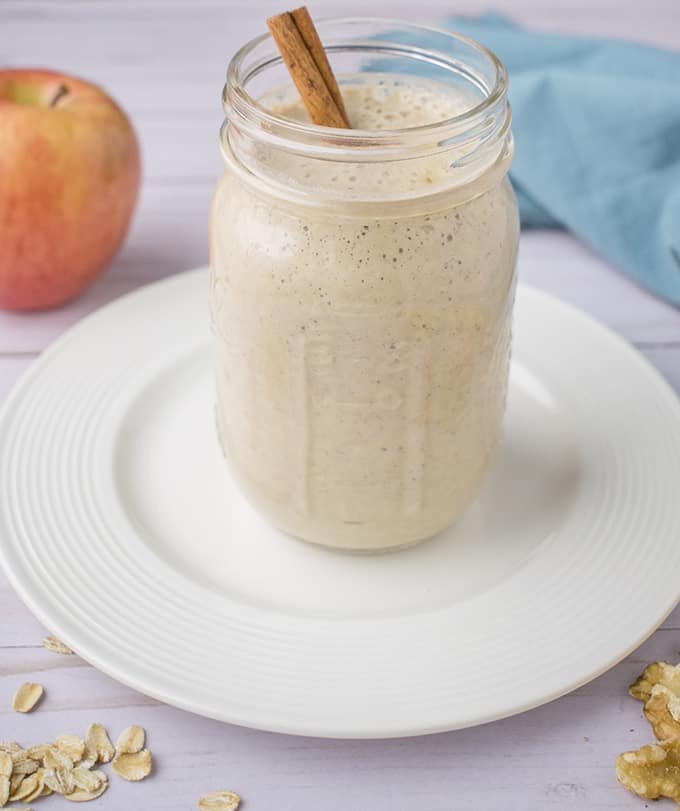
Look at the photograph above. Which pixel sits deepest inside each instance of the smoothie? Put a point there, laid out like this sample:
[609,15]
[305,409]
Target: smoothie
[362,353]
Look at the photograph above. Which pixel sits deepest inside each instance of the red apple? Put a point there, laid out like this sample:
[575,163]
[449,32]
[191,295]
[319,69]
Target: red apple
[69,177]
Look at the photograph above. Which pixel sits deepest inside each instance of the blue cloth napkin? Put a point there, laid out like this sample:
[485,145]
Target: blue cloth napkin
[597,130]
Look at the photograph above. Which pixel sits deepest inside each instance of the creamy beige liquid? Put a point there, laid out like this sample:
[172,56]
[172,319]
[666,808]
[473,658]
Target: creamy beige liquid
[362,361]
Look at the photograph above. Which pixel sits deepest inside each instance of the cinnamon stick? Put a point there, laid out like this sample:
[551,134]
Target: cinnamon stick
[303,19]
[308,66]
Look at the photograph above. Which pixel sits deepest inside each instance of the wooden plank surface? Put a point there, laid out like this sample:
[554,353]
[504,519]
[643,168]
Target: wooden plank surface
[165,61]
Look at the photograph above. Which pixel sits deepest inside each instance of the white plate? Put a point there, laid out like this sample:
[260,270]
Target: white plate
[122,531]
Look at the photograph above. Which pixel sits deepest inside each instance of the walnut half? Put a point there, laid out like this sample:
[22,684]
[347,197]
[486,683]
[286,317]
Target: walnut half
[652,771]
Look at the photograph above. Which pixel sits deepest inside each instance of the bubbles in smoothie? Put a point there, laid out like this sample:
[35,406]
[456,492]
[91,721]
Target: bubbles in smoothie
[381,102]
[376,102]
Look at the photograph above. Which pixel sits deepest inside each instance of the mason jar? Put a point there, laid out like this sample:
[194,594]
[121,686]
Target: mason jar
[362,284]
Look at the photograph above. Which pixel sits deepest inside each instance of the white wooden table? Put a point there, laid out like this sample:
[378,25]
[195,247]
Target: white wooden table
[164,60]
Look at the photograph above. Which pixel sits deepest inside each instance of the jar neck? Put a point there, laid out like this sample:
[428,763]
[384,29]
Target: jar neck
[435,163]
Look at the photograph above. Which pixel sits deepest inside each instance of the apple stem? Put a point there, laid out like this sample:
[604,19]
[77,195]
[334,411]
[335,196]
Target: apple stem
[61,92]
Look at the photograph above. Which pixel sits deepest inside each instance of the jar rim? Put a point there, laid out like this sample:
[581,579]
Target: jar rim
[247,112]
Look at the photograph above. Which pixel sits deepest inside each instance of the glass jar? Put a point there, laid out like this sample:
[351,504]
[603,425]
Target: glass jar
[362,284]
